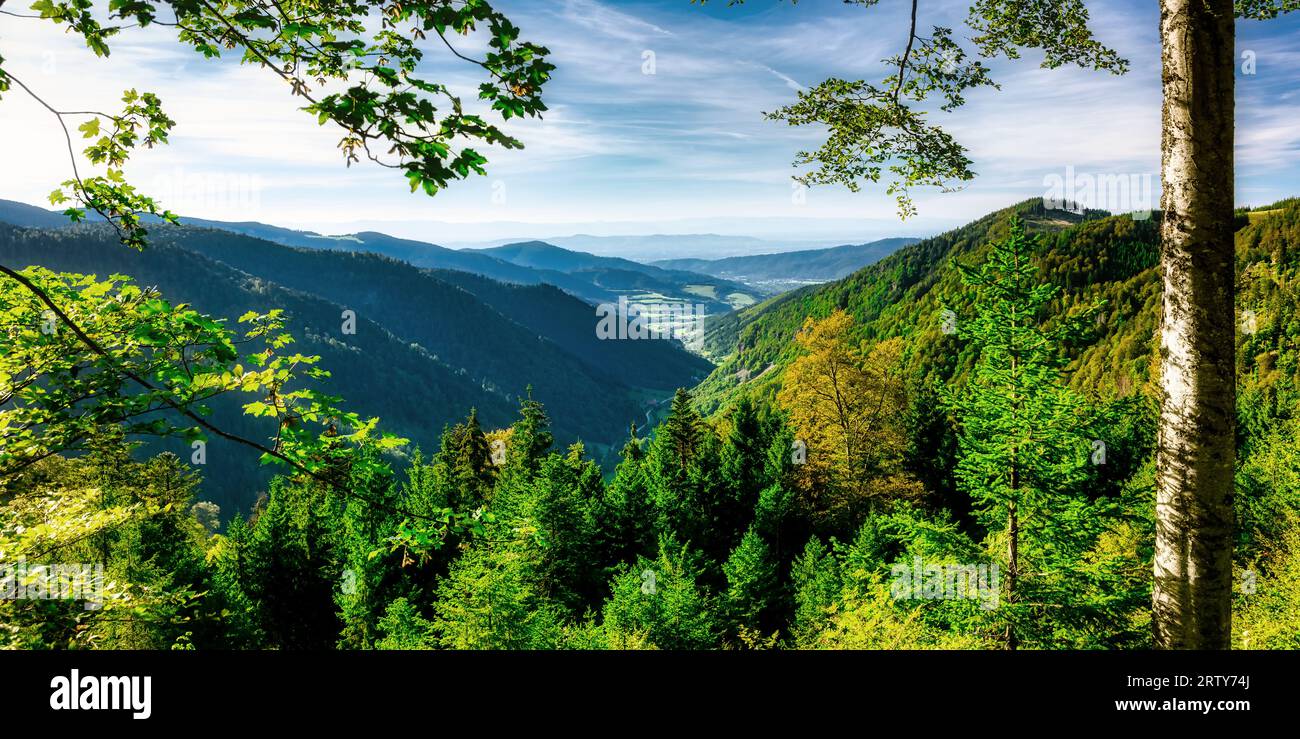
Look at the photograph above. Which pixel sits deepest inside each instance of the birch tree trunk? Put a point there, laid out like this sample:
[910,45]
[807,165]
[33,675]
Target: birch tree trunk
[1196,451]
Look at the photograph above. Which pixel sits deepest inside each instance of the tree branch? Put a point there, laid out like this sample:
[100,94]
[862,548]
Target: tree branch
[186,412]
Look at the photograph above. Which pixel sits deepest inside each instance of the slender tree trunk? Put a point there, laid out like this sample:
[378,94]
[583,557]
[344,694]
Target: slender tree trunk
[1196,453]
[1013,566]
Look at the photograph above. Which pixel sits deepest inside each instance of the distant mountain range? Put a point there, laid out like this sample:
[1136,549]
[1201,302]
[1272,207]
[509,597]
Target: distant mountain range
[651,248]
[721,285]
[616,276]
[776,273]
[429,345]
[593,279]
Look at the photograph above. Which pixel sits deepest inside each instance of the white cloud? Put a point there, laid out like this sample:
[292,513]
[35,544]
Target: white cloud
[619,145]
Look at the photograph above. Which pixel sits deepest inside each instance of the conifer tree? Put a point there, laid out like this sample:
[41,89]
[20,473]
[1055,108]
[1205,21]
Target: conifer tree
[682,472]
[531,438]
[490,601]
[560,507]
[815,578]
[626,515]
[293,566]
[662,601]
[744,453]
[752,587]
[1022,448]
[464,465]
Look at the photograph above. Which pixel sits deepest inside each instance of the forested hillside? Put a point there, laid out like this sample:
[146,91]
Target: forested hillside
[425,350]
[776,273]
[953,449]
[906,293]
[591,278]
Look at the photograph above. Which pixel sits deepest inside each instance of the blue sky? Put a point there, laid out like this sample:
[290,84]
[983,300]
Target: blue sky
[685,150]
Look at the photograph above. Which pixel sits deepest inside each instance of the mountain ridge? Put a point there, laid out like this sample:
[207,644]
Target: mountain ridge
[449,341]
[781,270]
[604,280]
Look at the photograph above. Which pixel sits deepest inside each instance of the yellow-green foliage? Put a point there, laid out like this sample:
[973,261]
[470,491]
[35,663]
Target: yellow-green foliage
[872,619]
[1269,618]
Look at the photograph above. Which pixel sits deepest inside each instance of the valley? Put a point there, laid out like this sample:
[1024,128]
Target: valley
[444,356]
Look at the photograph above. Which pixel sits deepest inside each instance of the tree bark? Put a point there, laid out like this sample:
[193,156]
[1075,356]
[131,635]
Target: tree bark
[1196,452]
[1013,567]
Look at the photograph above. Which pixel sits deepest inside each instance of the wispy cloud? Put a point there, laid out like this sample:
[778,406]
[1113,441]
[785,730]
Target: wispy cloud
[656,116]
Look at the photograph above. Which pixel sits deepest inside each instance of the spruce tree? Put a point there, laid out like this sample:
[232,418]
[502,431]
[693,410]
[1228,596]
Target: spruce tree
[681,474]
[815,578]
[531,438]
[464,465]
[626,516]
[743,463]
[1022,451]
[752,587]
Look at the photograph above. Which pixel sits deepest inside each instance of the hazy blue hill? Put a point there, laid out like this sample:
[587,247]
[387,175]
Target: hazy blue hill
[548,256]
[588,277]
[784,270]
[367,368]
[417,253]
[430,345]
[624,275]
[277,234]
[30,216]
[423,254]
[653,248]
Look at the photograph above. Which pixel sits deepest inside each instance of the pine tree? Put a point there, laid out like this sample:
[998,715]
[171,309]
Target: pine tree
[239,613]
[815,578]
[293,566]
[560,506]
[371,573]
[402,627]
[626,515]
[661,601]
[489,601]
[1022,448]
[682,472]
[752,589]
[464,469]
[744,453]
[531,438]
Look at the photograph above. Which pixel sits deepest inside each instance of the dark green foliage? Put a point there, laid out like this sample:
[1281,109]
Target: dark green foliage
[700,537]
[293,568]
[752,586]
[439,349]
[682,463]
[815,579]
[626,518]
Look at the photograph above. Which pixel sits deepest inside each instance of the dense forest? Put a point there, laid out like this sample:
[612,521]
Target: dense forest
[952,448]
